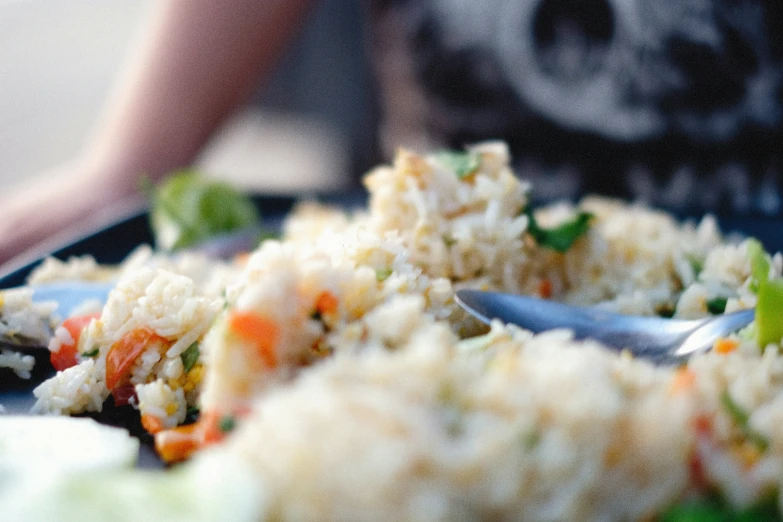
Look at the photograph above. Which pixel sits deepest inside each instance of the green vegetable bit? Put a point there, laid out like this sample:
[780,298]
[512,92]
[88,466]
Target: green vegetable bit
[741,418]
[462,163]
[716,305]
[769,305]
[716,509]
[227,424]
[91,353]
[190,357]
[383,274]
[189,208]
[561,237]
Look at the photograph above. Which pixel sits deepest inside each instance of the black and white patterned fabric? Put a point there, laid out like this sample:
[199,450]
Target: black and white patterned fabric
[674,102]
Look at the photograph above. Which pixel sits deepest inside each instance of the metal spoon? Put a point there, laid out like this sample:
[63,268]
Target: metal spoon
[664,341]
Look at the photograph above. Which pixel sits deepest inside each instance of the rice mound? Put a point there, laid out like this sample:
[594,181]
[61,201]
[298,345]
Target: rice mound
[378,398]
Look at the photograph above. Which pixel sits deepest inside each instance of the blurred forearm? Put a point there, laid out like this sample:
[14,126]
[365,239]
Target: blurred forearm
[200,60]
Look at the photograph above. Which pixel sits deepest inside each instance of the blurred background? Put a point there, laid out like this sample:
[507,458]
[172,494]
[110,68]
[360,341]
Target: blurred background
[59,59]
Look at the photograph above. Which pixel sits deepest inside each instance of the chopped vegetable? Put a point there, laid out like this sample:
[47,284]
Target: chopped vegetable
[67,355]
[769,306]
[716,305]
[545,288]
[190,357]
[326,303]
[259,331]
[740,418]
[561,237]
[124,395]
[227,424]
[123,353]
[91,353]
[383,274]
[177,444]
[462,163]
[151,423]
[716,509]
[725,345]
[682,380]
[189,208]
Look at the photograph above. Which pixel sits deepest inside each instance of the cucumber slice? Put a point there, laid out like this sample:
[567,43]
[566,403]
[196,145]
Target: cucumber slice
[29,443]
[211,488]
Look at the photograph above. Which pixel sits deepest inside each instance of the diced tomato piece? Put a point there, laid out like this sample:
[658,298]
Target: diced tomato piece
[123,353]
[68,354]
[262,332]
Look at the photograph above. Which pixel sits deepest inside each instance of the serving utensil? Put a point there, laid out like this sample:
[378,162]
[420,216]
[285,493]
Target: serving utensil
[664,341]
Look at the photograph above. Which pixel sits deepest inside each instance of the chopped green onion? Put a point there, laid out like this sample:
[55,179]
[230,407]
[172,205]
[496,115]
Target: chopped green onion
[769,306]
[383,274]
[192,414]
[717,305]
[462,163]
[227,424]
[696,264]
[531,439]
[190,357]
[759,265]
[448,240]
[561,237]
[741,418]
[91,353]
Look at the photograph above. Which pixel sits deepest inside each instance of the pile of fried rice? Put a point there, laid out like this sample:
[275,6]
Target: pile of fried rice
[337,363]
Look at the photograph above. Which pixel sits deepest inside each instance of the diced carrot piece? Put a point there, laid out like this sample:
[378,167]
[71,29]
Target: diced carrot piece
[177,444]
[725,345]
[123,353]
[545,288]
[260,331]
[210,427]
[703,425]
[682,380]
[67,355]
[326,303]
[151,423]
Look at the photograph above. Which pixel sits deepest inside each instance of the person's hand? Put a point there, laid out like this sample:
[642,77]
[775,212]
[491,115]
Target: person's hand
[63,202]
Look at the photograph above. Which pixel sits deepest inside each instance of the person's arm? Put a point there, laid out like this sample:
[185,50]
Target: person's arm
[199,61]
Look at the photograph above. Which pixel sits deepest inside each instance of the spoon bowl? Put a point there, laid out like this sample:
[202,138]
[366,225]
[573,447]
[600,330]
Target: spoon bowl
[664,341]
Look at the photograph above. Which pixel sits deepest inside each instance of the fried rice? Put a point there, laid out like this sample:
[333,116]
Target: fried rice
[337,363]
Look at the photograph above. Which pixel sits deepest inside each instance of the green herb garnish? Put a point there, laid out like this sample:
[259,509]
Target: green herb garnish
[716,305]
[449,241]
[192,414]
[769,305]
[462,163]
[190,357]
[188,208]
[714,508]
[559,238]
[91,353]
[227,424]
[696,264]
[383,274]
[741,418]
[531,439]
